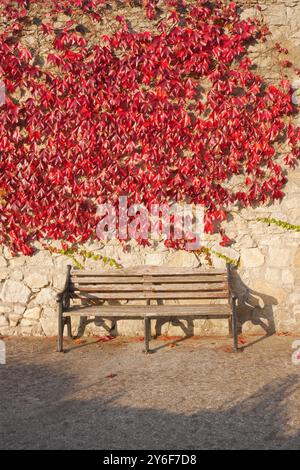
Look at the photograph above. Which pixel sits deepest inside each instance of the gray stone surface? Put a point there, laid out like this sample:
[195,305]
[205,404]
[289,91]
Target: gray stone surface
[195,395]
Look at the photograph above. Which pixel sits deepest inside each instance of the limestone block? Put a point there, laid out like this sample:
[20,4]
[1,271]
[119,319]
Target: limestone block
[16,275]
[17,261]
[49,326]
[36,279]
[15,291]
[4,274]
[248,13]
[287,277]
[252,258]
[40,259]
[292,202]
[155,259]
[273,275]
[46,296]
[32,313]
[246,241]
[130,327]
[60,262]
[182,258]
[279,256]
[19,309]
[294,297]
[274,294]
[5,309]
[58,280]
[286,326]
[130,259]
[14,319]
[27,322]
[296,38]
[50,312]
[296,313]
[296,260]
[3,262]
[3,321]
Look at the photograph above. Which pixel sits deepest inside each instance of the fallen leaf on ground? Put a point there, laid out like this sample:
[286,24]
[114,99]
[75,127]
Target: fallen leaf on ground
[242,340]
[169,338]
[228,349]
[104,338]
[208,337]
[283,333]
[135,339]
[111,376]
[79,341]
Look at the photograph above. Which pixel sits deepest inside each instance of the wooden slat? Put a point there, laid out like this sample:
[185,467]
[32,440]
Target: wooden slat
[149,282]
[140,279]
[151,295]
[107,280]
[221,286]
[154,311]
[152,270]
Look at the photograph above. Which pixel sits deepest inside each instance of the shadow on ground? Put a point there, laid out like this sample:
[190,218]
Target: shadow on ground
[48,417]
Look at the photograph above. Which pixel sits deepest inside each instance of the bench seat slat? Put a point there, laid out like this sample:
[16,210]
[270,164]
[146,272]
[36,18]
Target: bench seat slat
[155,279]
[150,295]
[153,271]
[221,286]
[107,280]
[152,311]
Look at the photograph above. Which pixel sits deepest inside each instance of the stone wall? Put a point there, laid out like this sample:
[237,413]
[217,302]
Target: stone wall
[267,282]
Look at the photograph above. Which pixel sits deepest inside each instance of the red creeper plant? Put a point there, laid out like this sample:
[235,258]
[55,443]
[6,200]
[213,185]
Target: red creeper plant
[168,116]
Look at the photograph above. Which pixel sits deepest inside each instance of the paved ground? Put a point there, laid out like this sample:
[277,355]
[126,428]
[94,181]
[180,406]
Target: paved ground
[109,395]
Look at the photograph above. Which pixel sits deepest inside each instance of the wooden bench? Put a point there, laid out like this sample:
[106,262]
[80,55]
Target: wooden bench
[206,288]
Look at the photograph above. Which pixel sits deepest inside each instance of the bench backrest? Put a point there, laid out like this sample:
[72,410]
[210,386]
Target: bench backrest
[149,283]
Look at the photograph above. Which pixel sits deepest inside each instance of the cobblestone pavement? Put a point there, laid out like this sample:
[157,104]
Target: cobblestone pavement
[190,394]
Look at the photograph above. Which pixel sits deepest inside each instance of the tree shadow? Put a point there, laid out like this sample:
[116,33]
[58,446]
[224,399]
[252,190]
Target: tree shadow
[45,414]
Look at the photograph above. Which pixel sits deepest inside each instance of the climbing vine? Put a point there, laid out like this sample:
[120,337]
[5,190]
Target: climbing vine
[73,252]
[171,115]
[279,223]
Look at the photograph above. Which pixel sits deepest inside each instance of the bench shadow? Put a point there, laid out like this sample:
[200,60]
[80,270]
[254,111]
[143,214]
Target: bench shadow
[254,307]
[167,344]
[98,320]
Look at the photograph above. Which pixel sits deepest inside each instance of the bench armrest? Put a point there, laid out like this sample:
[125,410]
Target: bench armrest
[59,296]
[65,290]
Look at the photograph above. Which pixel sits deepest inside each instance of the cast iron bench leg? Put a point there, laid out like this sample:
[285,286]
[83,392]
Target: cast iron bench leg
[147,325]
[230,330]
[60,337]
[234,325]
[69,327]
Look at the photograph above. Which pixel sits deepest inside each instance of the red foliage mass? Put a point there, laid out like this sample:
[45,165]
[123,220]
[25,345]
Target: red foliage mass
[130,116]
